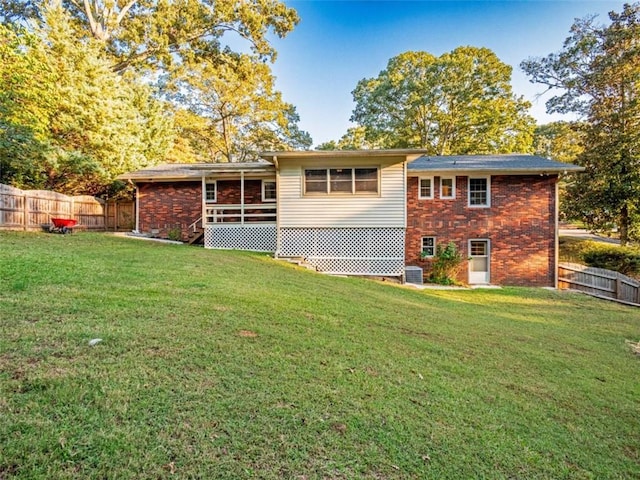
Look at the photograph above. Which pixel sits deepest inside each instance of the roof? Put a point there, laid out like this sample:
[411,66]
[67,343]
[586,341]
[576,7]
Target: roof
[514,163]
[407,153]
[195,171]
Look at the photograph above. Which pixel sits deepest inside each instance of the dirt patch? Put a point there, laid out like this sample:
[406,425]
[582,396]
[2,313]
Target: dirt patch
[247,334]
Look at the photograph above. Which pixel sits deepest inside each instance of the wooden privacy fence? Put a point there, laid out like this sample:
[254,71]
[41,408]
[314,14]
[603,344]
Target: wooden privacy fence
[599,283]
[33,210]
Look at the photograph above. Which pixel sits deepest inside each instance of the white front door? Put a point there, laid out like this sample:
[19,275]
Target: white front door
[479,262]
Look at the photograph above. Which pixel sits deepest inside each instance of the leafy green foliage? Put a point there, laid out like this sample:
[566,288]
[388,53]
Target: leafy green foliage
[446,264]
[70,123]
[354,139]
[89,66]
[625,260]
[458,103]
[598,72]
[620,259]
[240,113]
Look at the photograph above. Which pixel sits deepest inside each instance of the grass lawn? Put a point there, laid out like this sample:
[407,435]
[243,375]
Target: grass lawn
[223,365]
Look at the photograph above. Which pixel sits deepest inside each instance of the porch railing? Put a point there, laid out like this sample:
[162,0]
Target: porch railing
[237,213]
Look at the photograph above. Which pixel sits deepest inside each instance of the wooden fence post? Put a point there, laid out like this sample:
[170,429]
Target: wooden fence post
[25,212]
[618,291]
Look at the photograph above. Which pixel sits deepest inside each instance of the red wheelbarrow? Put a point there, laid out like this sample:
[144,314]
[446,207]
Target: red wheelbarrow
[62,225]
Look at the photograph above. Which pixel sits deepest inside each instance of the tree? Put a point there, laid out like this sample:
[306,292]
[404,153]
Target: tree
[354,139]
[598,75]
[157,34]
[87,123]
[240,111]
[561,141]
[458,103]
[26,106]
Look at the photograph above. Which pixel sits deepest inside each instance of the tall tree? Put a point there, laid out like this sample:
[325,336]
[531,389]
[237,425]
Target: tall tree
[241,111]
[87,123]
[458,103]
[160,33]
[598,75]
[561,141]
[354,139]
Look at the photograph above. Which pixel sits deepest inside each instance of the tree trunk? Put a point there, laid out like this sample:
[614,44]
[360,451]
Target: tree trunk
[623,227]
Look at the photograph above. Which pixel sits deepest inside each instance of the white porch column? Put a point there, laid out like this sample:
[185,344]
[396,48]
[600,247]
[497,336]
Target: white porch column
[241,197]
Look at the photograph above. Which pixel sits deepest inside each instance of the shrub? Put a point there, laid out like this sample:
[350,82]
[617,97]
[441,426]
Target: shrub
[175,234]
[446,264]
[625,260]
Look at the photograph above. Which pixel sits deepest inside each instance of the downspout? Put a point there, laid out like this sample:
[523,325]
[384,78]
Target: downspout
[137,209]
[278,240]
[404,206]
[203,202]
[556,254]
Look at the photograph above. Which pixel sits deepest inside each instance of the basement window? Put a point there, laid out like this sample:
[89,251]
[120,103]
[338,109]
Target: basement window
[428,247]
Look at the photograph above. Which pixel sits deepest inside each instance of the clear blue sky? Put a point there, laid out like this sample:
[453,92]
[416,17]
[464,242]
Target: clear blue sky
[338,43]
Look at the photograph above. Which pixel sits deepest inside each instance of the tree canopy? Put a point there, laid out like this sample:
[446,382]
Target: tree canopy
[458,103]
[90,89]
[597,75]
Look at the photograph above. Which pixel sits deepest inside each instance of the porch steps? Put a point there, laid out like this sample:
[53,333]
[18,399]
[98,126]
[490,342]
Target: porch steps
[196,237]
[300,261]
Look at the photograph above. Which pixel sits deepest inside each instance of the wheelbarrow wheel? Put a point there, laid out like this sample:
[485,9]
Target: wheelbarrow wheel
[65,230]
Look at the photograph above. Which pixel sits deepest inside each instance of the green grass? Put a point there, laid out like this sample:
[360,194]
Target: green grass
[223,365]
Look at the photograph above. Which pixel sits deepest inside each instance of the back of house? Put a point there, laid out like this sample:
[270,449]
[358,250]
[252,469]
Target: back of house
[368,212]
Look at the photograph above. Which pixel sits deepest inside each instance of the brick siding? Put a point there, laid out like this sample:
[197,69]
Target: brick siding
[166,206]
[520,225]
[176,205]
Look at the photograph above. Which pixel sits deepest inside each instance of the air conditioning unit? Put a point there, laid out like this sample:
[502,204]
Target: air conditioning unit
[413,275]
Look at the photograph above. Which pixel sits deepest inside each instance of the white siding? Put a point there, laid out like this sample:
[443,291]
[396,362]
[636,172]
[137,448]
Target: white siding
[384,210]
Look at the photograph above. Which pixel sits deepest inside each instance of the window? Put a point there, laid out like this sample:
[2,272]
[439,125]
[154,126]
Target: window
[268,191]
[338,181]
[428,247]
[425,188]
[447,187]
[210,192]
[479,192]
[366,180]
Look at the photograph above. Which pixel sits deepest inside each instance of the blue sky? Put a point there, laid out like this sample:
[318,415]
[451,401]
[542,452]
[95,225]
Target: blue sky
[338,43]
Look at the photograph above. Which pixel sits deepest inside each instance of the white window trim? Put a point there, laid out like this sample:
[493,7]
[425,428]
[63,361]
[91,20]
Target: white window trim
[264,199]
[353,192]
[204,193]
[420,197]
[435,240]
[453,188]
[488,179]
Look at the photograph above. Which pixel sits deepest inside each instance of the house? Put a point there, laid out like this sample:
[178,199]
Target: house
[368,212]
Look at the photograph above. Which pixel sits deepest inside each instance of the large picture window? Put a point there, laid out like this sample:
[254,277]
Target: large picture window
[479,192]
[336,181]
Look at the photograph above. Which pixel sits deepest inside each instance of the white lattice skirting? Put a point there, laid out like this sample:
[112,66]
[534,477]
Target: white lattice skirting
[347,251]
[258,238]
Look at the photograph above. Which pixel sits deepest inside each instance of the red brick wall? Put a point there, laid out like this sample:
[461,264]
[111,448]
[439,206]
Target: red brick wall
[167,205]
[229,191]
[164,206]
[520,225]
